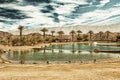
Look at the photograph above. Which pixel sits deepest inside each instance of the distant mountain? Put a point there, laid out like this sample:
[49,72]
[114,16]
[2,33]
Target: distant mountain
[83,28]
[4,34]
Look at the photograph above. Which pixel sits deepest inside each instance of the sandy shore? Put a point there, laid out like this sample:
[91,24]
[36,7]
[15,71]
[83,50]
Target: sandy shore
[109,70]
[22,47]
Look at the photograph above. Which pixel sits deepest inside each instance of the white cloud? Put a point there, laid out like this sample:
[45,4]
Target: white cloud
[65,9]
[95,17]
[73,1]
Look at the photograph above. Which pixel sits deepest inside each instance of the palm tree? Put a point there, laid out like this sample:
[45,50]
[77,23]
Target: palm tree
[100,34]
[60,35]
[72,34]
[21,29]
[90,32]
[79,31]
[44,30]
[52,34]
[78,38]
[107,32]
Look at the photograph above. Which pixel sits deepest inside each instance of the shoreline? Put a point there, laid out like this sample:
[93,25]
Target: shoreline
[41,45]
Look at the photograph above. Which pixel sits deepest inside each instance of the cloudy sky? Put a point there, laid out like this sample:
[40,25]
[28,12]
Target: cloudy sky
[56,13]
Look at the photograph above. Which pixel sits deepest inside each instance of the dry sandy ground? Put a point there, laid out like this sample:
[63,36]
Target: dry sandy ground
[73,71]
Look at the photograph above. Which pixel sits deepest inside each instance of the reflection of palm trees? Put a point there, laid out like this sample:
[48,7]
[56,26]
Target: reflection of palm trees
[60,48]
[52,48]
[91,48]
[21,28]
[72,34]
[73,48]
[22,57]
[79,48]
[44,50]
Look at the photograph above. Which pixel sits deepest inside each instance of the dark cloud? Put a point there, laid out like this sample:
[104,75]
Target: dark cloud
[94,2]
[85,9]
[7,1]
[81,9]
[47,9]
[110,4]
[55,18]
[40,1]
[12,13]
[2,21]
[36,2]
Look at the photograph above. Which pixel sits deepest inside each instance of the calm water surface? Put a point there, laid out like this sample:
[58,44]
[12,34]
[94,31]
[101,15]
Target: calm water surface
[66,52]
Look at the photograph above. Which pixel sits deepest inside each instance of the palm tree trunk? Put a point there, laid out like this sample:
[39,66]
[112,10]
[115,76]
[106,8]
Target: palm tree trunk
[21,37]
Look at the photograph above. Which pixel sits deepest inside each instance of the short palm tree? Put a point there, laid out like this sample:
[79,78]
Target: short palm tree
[100,34]
[44,30]
[79,32]
[21,29]
[52,33]
[72,34]
[60,34]
[90,32]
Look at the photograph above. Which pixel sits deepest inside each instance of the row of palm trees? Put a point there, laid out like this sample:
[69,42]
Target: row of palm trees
[61,33]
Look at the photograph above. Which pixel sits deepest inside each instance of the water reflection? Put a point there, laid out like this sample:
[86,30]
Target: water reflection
[60,48]
[61,53]
[73,48]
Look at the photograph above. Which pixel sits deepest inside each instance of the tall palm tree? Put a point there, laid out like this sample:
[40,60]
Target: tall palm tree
[44,30]
[52,34]
[107,32]
[21,29]
[60,35]
[100,34]
[90,32]
[72,34]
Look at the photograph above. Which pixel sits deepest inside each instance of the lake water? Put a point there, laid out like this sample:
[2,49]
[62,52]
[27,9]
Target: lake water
[62,53]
